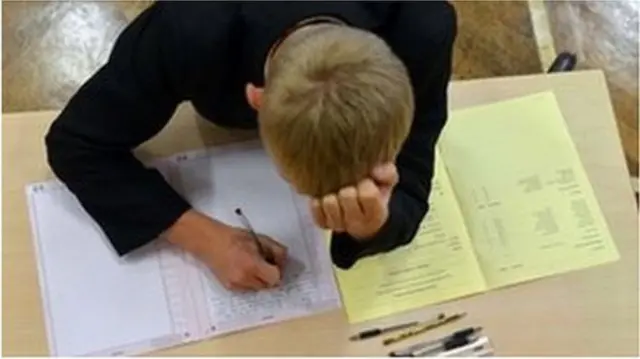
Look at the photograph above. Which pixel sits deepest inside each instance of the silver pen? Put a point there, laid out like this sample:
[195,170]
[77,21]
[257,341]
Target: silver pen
[436,345]
[406,352]
[457,340]
[478,347]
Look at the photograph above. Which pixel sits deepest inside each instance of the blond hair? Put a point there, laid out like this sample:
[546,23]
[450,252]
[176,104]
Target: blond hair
[337,102]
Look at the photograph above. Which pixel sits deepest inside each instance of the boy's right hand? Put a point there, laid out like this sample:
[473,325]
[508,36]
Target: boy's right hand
[230,253]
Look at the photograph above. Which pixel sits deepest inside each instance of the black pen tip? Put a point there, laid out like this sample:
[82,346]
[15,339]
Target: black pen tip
[238,211]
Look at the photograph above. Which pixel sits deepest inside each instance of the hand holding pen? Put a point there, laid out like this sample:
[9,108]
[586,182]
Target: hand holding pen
[232,254]
[270,250]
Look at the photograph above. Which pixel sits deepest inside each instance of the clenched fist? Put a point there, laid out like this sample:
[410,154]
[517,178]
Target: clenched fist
[359,210]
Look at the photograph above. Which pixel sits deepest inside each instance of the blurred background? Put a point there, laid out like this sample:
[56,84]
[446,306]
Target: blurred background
[50,48]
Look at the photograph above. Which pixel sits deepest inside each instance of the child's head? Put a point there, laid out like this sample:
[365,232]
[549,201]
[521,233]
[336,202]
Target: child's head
[337,102]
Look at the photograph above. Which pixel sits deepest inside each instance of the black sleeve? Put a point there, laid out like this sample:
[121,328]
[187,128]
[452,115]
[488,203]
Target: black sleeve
[423,38]
[126,102]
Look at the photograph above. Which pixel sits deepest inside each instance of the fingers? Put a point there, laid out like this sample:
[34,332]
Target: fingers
[348,198]
[247,270]
[318,214]
[352,205]
[243,278]
[333,212]
[370,199]
[267,273]
[278,251]
[356,207]
[386,174]
[248,284]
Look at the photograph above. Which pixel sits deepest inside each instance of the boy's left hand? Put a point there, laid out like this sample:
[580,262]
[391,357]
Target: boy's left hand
[359,210]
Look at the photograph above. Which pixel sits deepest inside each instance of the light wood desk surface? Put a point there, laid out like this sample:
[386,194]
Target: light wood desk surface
[588,312]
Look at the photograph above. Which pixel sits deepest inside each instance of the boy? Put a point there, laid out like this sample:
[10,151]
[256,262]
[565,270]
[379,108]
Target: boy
[349,98]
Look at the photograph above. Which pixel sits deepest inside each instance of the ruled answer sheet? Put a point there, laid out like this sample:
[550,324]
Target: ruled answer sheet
[219,180]
[97,303]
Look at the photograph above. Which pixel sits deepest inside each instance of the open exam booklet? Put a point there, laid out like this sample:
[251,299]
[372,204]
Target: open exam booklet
[98,304]
[511,202]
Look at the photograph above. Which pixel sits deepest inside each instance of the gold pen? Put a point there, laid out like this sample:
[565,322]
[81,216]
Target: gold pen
[440,321]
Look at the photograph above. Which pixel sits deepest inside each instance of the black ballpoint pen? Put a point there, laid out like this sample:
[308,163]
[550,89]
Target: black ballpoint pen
[370,333]
[263,252]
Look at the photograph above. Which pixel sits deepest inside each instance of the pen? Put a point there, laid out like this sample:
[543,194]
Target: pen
[483,353]
[410,350]
[423,328]
[263,252]
[478,347]
[406,352]
[451,343]
[370,333]
[436,343]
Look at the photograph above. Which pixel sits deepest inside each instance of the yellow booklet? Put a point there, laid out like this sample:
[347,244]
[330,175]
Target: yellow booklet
[511,202]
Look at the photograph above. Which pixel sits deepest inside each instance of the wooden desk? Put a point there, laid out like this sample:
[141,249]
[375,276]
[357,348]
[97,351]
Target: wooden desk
[590,312]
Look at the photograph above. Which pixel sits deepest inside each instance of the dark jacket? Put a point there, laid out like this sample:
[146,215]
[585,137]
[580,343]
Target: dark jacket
[205,53]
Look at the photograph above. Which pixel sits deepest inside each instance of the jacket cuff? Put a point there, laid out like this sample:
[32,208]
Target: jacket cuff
[399,230]
[129,237]
[346,250]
